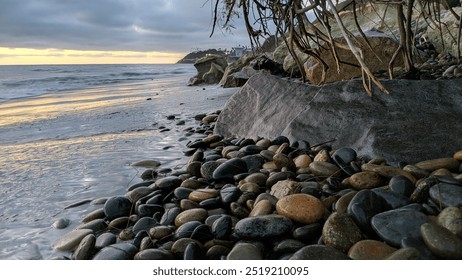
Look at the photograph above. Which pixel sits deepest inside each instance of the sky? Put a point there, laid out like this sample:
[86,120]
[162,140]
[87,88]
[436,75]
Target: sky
[109,31]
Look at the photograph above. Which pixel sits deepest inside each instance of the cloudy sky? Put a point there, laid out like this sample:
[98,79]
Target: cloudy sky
[108,31]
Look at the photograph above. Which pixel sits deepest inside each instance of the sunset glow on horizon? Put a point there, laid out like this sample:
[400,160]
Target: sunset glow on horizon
[28,56]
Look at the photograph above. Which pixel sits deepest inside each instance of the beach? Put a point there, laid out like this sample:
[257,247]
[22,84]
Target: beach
[76,143]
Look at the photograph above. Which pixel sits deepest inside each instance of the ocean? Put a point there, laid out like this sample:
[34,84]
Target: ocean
[69,134]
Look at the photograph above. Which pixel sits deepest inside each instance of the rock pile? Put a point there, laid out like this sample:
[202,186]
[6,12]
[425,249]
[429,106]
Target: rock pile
[272,199]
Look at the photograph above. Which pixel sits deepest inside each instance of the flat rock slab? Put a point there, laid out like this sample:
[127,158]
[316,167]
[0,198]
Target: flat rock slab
[417,121]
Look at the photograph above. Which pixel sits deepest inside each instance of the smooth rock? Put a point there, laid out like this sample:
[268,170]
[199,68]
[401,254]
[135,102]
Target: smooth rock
[217,252]
[154,254]
[119,251]
[169,216]
[196,214]
[340,232]
[302,161]
[319,252]
[86,248]
[186,229]
[310,109]
[267,226]
[71,240]
[365,180]
[302,208]
[193,252]
[446,195]
[363,206]
[404,254]
[138,193]
[370,250]
[144,224]
[168,184]
[451,218]
[203,194]
[449,163]
[394,225]
[117,206]
[263,207]
[284,188]
[229,194]
[392,199]
[401,185]
[341,205]
[324,169]
[222,227]
[288,246]
[105,239]
[244,251]
[229,168]
[442,242]
[208,168]
[61,223]
[308,233]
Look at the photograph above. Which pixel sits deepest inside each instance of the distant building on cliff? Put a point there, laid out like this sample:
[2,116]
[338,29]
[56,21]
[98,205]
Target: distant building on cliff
[237,52]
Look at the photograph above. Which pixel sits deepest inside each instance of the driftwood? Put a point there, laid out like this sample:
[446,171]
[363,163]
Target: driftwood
[290,21]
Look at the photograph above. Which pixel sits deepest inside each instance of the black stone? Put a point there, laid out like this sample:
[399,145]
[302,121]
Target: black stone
[394,225]
[288,246]
[186,229]
[253,162]
[229,168]
[222,227]
[364,205]
[156,199]
[401,185]
[168,184]
[210,203]
[251,149]
[267,226]
[419,244]
[229,193]
[193,252]
[182,193]
[117,206]
[446,195]
[343,157]
[392,199]
[144,224]
[202,233]
[105,239]
[119,251]
[279,140]
[154,254]
[319,252]
[309,233]
[148,210]
[208,168]
[141,184]
[169,216]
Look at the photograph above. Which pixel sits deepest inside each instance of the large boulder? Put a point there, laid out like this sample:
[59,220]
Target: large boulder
[418,120]
[377,57]
[211,66]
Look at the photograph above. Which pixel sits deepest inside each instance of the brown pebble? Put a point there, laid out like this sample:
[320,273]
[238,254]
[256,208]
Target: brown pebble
[196,214]
[458,155]
[434,164]
[202,194]
[365,180]
[370,250]
[302,208]
[263,207]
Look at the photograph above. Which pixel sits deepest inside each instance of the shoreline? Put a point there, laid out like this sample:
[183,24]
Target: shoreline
[272,199]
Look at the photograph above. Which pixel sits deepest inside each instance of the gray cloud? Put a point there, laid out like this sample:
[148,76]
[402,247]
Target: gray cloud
[129,25]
